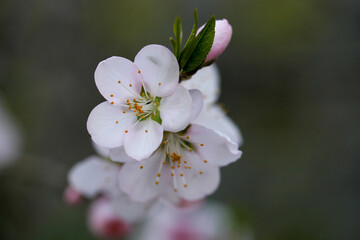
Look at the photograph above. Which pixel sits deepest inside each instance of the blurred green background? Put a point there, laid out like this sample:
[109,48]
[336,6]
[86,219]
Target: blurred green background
[290,81]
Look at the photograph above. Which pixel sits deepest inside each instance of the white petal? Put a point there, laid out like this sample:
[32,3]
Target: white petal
[119,155]
[215,118]
[107,124]
[198,185]
[197,103]
[130,210]
[139,183]
[158,65]
[143,139]
[114,69]
[102,151]
[207,80]
[93,176]
[217,149]
[175,110]
[10,138]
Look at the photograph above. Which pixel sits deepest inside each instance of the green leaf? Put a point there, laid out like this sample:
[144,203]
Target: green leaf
[197,50]
[194,29]
[178,36]
[173,44]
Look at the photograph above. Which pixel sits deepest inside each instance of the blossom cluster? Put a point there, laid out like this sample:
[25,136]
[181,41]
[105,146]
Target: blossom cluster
[160,135]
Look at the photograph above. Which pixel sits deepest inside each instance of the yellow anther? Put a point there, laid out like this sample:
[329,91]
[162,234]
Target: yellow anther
[172,167]
[190,149]
[143,94]
[175,190]
[159,83]
[157,182]
[126,131]
[185,162]
[205,161]
[117,122]
[178,166]
[129,107]
[141,167]
[124,112]
[134,98]
[165,142]
[185,185]
[111,95]
[181,175]
[119,81]
[146,131]
[127,100]
[168,154]
[158,175]
[172,174]
[201,144]
[201,172]
[112,102]
[164,162]
[130,85]
[156,103]
[187,137]
[139,71]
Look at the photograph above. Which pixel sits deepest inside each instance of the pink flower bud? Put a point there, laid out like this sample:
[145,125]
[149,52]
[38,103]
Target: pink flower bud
[71,196]
[104,223]
[223,33]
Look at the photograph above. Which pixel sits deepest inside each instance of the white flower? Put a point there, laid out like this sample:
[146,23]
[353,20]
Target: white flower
[212,116]
[94,176]
[186,165]
[10,138]
[206,222]
[143,99]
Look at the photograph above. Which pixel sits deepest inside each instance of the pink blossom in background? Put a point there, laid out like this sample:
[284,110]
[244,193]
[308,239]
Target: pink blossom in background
[71,196]
[104,223]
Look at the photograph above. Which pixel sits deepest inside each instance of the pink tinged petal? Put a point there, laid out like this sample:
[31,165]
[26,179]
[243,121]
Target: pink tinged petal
[119,155]
[138,180]
[197,103]
[93,176]
[159,69]
[72,196]
[175,110]
[107,124]
[223,33]
[143,139]
[103,221]
[118,79]
[207,80]
[214,117]
[201,180]
[214,148]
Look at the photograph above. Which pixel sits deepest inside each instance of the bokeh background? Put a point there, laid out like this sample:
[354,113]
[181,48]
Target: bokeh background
[290,81]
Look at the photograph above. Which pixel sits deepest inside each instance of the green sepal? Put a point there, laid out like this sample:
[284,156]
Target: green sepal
[196,50]
[157,117]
